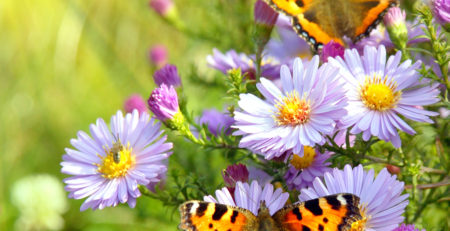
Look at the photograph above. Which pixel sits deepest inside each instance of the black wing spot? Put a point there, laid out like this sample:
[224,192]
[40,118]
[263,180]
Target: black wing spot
[201,209]
[220,210]
[334,202]
[314,207]
[299,3]
[306,228]
[321,228]
[233,216]
[325,220]
[210,225]
[297,212]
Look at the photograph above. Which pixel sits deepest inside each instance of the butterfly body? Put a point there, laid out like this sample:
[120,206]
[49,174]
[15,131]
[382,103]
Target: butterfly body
[331,213]
[320,21]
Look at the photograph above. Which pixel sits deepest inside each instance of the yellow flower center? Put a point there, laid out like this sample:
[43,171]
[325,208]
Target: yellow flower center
[303,162]
[292,110]
[360,225]
[379,94]
[117,162]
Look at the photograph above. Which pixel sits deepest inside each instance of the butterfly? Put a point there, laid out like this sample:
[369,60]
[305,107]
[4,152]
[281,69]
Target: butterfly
[331,213]
[320,21]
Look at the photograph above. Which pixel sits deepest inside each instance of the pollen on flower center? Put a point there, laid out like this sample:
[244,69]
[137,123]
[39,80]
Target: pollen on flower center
[379,94]
[360,225]
[303,162]
[113,167]
[292,110]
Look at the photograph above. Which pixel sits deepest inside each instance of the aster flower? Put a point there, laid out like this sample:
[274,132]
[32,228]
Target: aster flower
[133,102]
[331,49]
[270,67]
[216,121]
[441,9]
[380,91]
[168,75]
[307,107]
[108,174]
[303,170]
[381,202]
[163,102]
[405,227]
[250,196]
[158,55]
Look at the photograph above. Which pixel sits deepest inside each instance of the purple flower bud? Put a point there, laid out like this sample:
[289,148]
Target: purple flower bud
[163,102]
[264,14]
[394,16]
[158,55]
[235,173]
[162,7]
[167,75]
[441,9]
[135,101]
[331,49]
[216,121]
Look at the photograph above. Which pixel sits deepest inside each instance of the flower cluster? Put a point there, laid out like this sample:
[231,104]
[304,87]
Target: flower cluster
[303,124]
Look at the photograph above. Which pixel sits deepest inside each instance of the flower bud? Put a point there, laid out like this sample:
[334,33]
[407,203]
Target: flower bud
[135,101]
[394,21]
[393,169]
[162,7]
[331,49]
[158,55]
[163,102]
[167,75]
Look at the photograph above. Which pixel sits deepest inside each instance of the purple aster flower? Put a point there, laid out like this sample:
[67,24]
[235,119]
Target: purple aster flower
[158,55]
[135,101]
[307,107]
[217,122]
[264,14]
[441,9]
[381,202]
[163,102]
[250,196]
[270,67]
[290,45]
[405,227]
[162,7]
[167,75]
[303,170]
[233,174]
[108,167]
[379,91]
[331,49]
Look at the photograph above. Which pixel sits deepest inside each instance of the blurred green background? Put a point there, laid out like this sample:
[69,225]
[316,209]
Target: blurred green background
[65,63]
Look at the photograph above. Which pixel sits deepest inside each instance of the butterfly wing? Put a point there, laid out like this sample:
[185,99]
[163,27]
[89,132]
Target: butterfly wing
[206,216]
[332,213]
[320,21]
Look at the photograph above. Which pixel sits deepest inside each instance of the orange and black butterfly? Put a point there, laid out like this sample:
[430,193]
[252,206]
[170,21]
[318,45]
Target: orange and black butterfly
[320,21]
[331,213]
